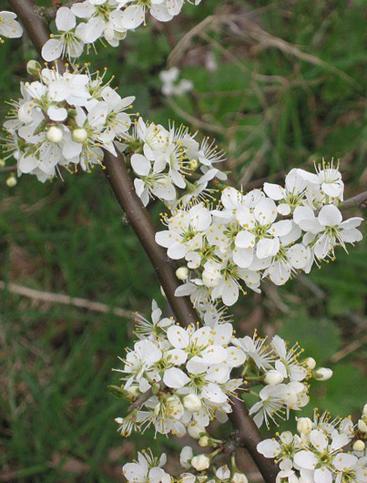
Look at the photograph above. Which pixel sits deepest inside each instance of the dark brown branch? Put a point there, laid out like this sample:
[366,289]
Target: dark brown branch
[140,221]
[27,13]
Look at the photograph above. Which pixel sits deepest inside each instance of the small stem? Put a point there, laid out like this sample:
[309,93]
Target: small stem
[358,200]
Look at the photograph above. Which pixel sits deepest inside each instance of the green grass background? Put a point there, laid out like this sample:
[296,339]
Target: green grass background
[288,88]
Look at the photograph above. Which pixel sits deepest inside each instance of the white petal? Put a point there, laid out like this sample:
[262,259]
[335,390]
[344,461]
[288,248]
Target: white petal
[243,257]
[178,337]
[132,17]
[281,228]
[343,461]
[274,191]
[214,394]
[267,247]
[52,50]
[305,459]
[57,113]
[330,215]
[214,354]
[319,440]
[175,378]
[245,239]
[65,19]
[265,211]
[140,164]
[323,475]
[269,448]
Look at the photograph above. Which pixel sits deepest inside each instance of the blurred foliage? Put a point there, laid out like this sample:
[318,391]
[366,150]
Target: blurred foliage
[278,84]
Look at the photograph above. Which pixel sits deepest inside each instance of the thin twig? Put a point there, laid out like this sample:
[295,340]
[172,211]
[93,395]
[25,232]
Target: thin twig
[348,349]
[58,298]
[359,200]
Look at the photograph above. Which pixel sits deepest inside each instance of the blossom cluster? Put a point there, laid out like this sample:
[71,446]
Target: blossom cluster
[284,377]
[9,26]
[273,232]
[185,374]
[324,450]
[149,468]
[170,164]
[84,23]
[180,379]
[64,120]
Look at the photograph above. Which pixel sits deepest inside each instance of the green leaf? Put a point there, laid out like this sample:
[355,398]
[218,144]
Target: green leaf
[320,338]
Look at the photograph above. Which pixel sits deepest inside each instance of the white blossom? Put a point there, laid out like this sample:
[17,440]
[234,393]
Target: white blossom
[64,120]
[9,26]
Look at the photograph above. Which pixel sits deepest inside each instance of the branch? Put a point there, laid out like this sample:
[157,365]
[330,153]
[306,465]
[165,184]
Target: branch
[140,221]
[359,200]
[59,298]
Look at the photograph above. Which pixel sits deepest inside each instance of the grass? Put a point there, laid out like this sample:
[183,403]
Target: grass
[276,108]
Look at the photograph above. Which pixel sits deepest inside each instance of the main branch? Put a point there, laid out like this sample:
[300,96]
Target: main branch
[140,221]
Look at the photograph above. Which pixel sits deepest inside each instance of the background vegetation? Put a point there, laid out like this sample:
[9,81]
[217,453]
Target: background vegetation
[278,84]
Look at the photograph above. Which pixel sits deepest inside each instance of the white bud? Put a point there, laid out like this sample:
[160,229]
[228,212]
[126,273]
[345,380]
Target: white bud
[323,374]
[364,410]
[200,462]
[33,68]
[54,134]
[239,478]
[182,273]
[304,425]
[310,362]
[11,181]
[79,135]
[192,402]
[359,445]
[204,441]
[273,377]
[119,420]
[362,426]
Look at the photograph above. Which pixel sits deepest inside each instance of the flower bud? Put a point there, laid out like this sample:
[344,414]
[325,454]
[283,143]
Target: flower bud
[310,363]
[192,402]
[362,426]
[119,420]
[182,273]
[54,134]
[33,68]
[204,441]
[359,445]
[200,462]
[11,181]
[79,135]
[239,478]
[273,377]
[364,410]
[323,374]
[304,425]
